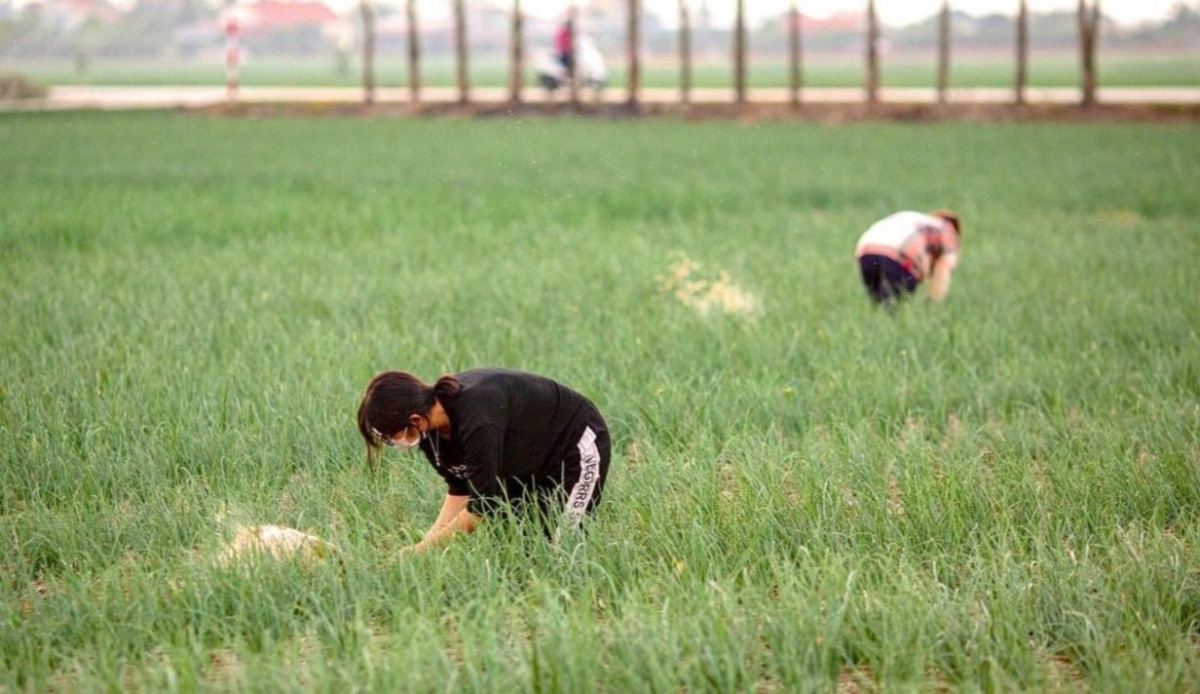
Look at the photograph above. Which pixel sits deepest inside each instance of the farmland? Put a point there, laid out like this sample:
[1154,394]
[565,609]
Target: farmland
[1000,492]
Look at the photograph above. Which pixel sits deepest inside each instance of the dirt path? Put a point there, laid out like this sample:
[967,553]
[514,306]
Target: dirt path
[821,104]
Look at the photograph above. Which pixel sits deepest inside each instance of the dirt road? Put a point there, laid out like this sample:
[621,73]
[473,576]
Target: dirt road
[80,97]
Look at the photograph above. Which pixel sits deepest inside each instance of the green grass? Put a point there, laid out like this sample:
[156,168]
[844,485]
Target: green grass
[1116,69]
[1000,492]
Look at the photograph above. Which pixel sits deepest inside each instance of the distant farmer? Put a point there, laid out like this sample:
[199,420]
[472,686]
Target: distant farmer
[590,68]
[499,438]
[900,251]
[564,47]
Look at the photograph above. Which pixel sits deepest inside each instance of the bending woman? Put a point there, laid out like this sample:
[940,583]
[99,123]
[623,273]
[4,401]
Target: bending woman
[496,437]
[899,252]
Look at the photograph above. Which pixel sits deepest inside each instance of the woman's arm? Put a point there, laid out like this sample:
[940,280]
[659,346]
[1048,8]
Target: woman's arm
[463,522]
[481,455]
[939,282]
[450,508]
[454,518]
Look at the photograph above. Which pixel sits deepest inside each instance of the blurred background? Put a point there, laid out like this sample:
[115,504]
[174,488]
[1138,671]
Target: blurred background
[320,42]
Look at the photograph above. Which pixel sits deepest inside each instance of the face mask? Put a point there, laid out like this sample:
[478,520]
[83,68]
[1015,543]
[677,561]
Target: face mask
[406,444]
[403,444]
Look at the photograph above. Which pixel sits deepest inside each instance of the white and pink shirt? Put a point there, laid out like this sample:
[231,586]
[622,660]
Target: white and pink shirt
[913,239]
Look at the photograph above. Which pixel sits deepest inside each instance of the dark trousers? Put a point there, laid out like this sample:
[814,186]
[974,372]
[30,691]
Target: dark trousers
[572,493]
[885,279]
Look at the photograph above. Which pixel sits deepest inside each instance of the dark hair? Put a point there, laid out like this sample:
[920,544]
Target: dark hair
[391,398]
[949,216]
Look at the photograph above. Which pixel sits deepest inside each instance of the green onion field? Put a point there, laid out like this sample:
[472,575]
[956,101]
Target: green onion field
[998,493]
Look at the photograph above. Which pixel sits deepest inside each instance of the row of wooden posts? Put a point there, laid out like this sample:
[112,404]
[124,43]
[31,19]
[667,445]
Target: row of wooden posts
[1088,15]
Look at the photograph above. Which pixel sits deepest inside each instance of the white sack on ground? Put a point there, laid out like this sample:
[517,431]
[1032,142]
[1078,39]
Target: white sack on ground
[275,541]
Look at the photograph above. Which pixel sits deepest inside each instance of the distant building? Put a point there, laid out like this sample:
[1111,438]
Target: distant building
[488,29]
[836,22]
[69,16]
[269,16]
[276,26]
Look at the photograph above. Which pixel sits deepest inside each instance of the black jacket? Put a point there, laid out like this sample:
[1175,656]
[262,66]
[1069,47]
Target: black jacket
[508,424]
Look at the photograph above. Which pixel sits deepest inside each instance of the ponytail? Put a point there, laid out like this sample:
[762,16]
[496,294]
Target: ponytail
[447,388]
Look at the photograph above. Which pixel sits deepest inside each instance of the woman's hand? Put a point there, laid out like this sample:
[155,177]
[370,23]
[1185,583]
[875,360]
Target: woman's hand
[462,521]
[412,550]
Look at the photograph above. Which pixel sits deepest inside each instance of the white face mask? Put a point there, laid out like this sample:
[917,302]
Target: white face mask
[403,444]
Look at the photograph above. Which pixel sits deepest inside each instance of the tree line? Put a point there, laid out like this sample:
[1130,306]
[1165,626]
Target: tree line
[1088,18]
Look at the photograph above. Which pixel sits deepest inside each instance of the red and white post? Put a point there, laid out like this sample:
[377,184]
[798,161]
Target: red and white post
[233,53]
